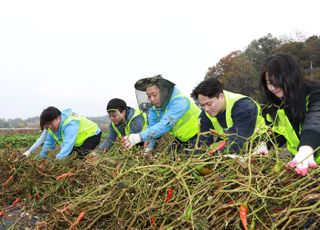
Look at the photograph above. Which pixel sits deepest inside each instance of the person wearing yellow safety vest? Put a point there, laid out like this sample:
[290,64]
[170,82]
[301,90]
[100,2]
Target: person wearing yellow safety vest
[124,121]
[72,131]
[168,111]
[293,110]
[227,113]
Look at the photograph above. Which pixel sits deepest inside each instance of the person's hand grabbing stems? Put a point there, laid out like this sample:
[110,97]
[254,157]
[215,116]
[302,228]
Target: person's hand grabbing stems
[303,160]
[261,149]
[131,140]
[26,153]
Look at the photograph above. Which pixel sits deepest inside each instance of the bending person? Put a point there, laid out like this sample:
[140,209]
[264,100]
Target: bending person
[124,121]
[293,109]
[168,111]
[229,113]
[72,131]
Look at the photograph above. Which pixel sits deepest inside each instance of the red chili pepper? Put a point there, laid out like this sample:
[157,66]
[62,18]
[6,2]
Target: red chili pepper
[16,202]
[7,181]
[145,145]
[243,211]
[76,222]
[169,195]
[1,213]
[153,220]
[64,175]
[221,146]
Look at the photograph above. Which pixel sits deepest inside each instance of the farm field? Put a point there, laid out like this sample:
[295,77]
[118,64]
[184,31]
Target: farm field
[122,190]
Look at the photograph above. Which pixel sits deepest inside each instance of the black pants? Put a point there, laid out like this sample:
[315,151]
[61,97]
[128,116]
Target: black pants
[89,144]
[178,145]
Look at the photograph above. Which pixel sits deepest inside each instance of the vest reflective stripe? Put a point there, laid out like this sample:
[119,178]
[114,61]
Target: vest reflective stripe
[137,112]
[230,99]
[282,126]
[188,125]
[87,129]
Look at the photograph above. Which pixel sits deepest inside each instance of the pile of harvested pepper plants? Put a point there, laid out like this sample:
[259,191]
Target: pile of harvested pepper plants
[122,190]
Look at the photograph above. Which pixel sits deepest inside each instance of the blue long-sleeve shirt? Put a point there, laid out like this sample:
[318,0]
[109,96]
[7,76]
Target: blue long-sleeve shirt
[136,126]
[39,141]
[161,121]
[244,115]
[70,131]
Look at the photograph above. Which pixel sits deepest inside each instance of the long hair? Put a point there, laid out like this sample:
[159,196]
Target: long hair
[284,72]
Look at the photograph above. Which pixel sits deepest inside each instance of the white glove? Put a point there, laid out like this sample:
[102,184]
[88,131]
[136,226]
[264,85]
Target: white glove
[27,153]
[262,149]
[234,156]
[131,140]
[303,160]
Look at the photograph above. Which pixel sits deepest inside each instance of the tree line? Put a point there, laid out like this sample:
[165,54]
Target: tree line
[240,70]
[102,121]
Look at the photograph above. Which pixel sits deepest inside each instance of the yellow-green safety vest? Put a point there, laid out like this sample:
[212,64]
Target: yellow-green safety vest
[87,129]
[137,112]
[230,99]
[187,126]
[282,126]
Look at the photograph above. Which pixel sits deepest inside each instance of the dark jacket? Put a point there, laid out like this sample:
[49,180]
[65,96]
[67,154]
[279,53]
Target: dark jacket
[135,127]
[310,128]
[244,115]
[310,132]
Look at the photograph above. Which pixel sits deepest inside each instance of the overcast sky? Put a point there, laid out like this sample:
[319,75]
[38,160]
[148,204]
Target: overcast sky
[80,54]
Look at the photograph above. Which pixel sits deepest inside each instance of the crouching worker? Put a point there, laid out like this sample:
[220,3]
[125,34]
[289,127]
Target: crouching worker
[168,111]
[72,131]
[233,114]
[293,110]
[124,121]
